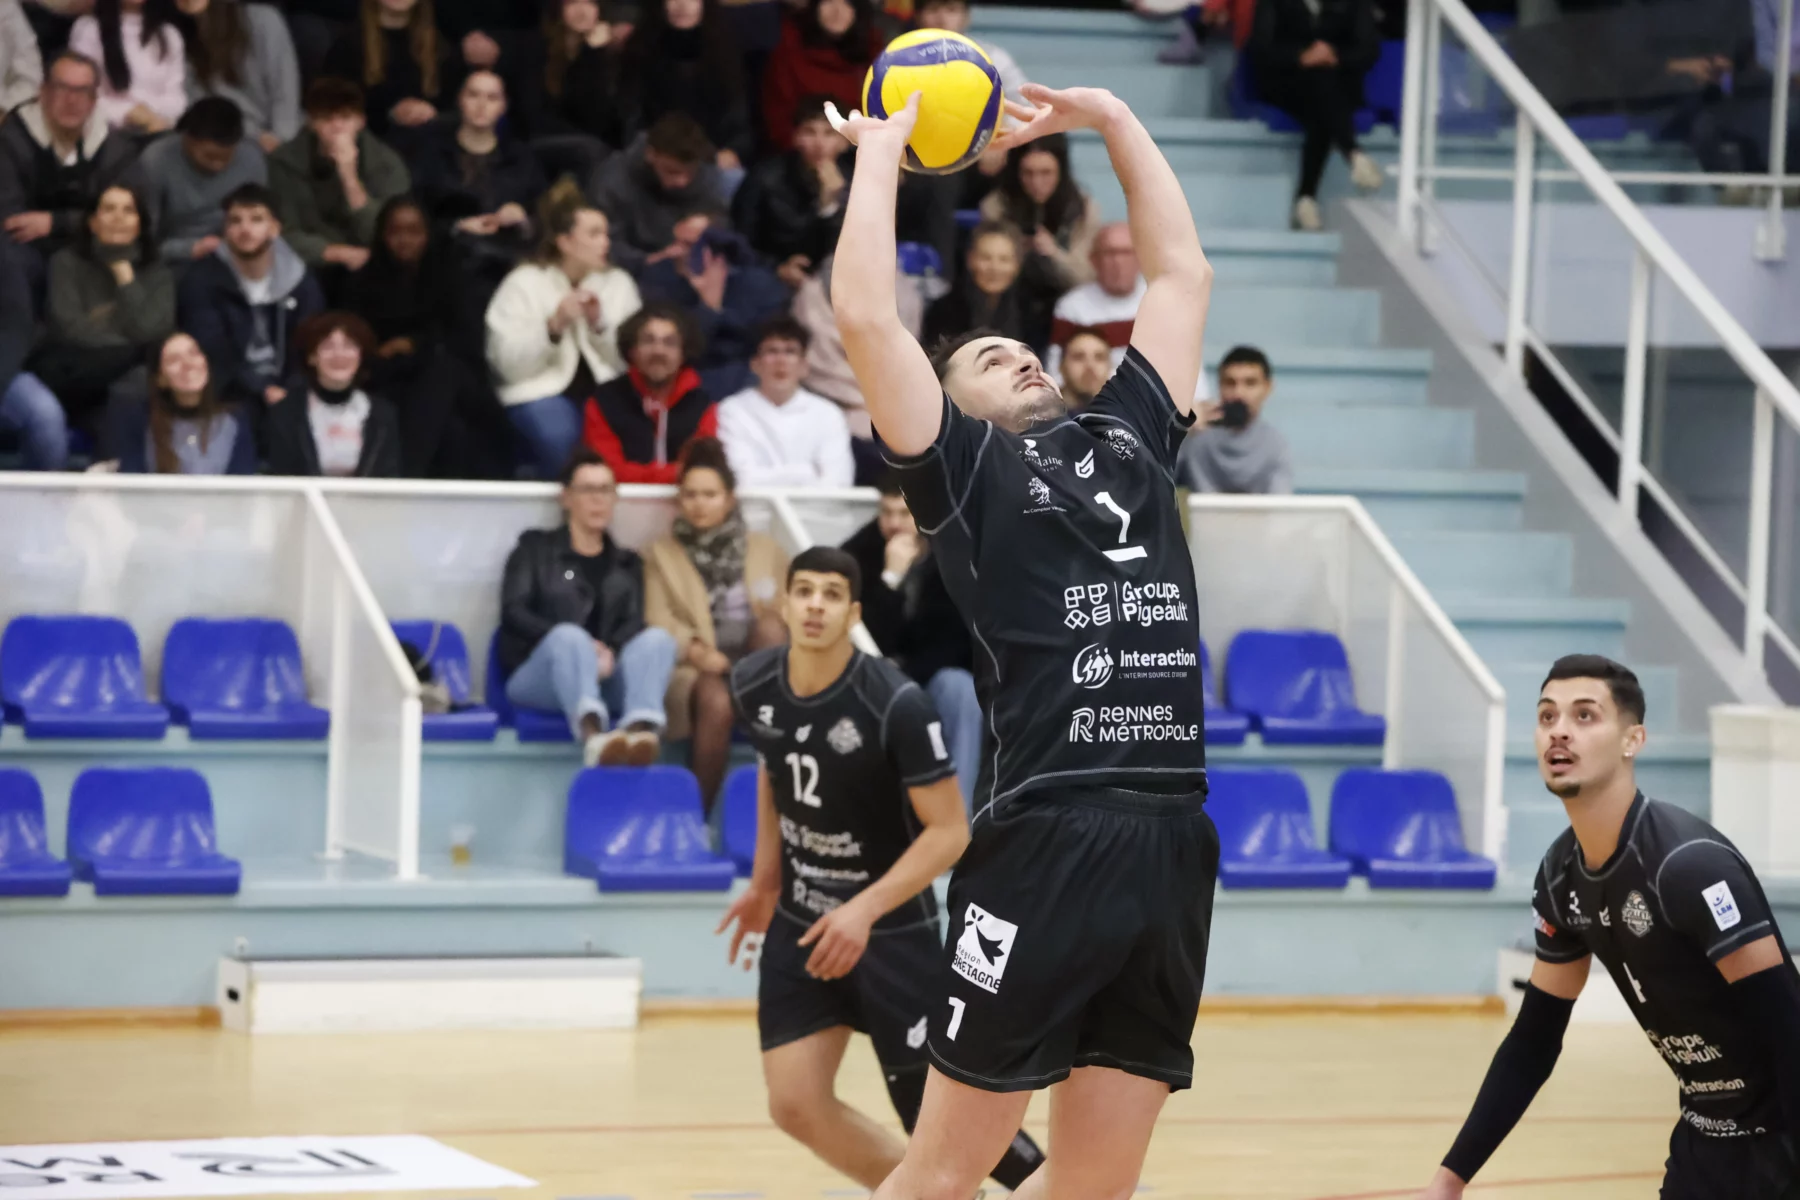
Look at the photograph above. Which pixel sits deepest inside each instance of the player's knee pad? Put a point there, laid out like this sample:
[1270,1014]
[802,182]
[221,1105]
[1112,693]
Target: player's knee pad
[907,1090]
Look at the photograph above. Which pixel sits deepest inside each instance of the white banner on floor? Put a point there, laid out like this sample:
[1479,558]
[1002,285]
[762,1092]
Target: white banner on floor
[243,1167]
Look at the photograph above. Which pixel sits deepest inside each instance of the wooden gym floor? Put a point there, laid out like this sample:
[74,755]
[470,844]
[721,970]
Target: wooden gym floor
[1288,1107]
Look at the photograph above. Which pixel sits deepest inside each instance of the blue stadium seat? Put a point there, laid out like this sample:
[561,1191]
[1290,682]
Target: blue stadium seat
[238,679]
[1295,685]
[1266,832]
[27,868]
[147,831]
[1247,104]
[1223,727]
[443,646]
[919,258]
[641,829]
[76,677]
[1386,80]
[738,821]
[968,218]
[1402,830]
[531,724]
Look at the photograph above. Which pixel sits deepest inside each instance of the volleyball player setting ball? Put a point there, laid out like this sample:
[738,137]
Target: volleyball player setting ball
[1079,914]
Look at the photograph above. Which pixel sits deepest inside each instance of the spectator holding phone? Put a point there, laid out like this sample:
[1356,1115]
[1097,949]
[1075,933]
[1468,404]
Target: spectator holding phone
[1232,449]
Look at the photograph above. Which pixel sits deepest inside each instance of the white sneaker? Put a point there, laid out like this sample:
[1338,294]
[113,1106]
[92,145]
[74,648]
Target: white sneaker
[1307,216]
[1366,173]
[642,747]
[605,750]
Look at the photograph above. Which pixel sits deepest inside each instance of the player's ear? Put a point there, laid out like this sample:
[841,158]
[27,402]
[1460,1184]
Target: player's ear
[855,613]
[1635,737]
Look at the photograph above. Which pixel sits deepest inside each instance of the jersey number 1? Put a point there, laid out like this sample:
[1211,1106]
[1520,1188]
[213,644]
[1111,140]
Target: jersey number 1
[806,779]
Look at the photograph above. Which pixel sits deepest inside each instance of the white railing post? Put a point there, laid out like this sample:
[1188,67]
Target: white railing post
[1412,112]
[1771,235]
[337,740]
[1493,799]
[412,753]
[1631,422]
[1756,571]
[1518,290]
[1428,129]
[1392,747]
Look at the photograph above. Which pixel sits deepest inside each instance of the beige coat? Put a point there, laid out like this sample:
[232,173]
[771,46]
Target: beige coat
[1074,266]
[675,599]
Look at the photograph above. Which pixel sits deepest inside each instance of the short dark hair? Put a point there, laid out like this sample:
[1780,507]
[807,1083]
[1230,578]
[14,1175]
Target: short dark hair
[584,456]
[678,136]
[828,560]
[316,328]
[782,329]
[1093,331]
[708,453]
[249,195]
[1620,680]
[890,485]
[811,108]
[1250,356]
[633,326]
[214,119]
[1001,228]
[948,345]
[77,57]
[328,96]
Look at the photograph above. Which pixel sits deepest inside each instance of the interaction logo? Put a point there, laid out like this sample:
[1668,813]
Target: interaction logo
[1093,666]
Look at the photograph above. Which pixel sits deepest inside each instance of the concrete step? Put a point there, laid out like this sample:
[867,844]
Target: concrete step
[1307,374]
[1272,256]
[1423,499]
[1523,679]
[1522,563]
[1531,629]
[1344,317]
[1370,435]
[1218,201]
[1151,89]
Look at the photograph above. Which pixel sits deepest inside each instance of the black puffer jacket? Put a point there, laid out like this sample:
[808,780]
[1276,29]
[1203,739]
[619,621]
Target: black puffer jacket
[544,586]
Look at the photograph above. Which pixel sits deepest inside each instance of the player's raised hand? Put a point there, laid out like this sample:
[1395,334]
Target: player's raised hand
[842,935]
[752,912]
[857,126]
[1056,111]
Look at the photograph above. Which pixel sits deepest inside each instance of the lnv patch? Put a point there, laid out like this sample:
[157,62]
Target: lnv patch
[984,948]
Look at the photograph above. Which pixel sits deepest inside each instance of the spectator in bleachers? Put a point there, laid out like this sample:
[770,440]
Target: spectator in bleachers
[1232,449]
[572,630]
[553,328]
[1310,58]
[180,427]
[792,205]
[241,52]
[716,586]
[1037,194]
[825,50]
[27,407]
[316,26]
[327,423]
[244,303]
[138,43]
[404,66]
[187,178]
[1109,302]
[1086,366]
[909,613]
[827,366]
[954,16]
[681,58]
[110,302]
[331,181]
[479,182]
[664,176]
[641,421]
[21,63]
[726,293]
[567,79]
[56,156]
[486,33]
[428,351]
[990,294]
[778,434]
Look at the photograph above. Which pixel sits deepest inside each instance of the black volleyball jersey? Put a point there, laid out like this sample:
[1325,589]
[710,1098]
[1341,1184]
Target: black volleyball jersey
[840,764]
[1674,899]
[1064,550]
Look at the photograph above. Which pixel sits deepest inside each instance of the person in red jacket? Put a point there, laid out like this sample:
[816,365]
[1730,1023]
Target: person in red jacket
[825,51]
[640,421]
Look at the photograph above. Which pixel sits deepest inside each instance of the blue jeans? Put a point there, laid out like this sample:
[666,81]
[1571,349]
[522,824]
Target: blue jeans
[563,673]
[32,410]
[550,429]
[953,691]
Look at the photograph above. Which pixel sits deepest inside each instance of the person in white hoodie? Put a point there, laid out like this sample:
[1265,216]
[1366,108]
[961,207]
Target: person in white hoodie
[778,434]
[553,328]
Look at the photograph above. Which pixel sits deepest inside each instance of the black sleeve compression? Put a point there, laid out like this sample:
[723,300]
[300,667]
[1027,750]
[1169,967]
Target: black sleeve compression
[1771,1003]
[1521,1065]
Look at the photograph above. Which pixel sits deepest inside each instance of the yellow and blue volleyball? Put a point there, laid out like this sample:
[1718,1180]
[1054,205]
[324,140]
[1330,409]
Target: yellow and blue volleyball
[959,110]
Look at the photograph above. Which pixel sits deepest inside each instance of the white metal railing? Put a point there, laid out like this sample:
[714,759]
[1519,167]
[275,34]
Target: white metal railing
[1322,562]
[1421,223]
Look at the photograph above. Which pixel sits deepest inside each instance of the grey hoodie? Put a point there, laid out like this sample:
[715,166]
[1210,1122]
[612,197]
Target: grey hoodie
[1252,461]
[185,202]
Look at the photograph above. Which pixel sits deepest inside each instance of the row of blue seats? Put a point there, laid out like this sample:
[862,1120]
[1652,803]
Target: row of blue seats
[82,677]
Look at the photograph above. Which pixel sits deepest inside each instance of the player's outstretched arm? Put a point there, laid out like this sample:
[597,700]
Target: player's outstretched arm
[755,906]
[1769,995]
[843,934]
[898,384]
[1521,1066]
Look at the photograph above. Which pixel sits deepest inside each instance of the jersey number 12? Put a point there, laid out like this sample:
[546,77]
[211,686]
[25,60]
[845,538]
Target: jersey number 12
[806,779]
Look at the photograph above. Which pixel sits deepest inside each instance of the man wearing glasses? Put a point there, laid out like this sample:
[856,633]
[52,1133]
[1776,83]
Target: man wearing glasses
[572,631]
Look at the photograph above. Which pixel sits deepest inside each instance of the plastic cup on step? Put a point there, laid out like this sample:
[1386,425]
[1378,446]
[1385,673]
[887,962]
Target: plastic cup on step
[461,836]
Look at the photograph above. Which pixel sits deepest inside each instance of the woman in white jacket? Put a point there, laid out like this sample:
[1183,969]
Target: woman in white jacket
[552,328]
